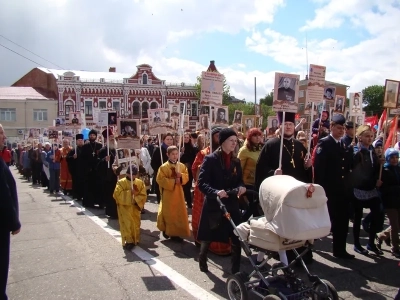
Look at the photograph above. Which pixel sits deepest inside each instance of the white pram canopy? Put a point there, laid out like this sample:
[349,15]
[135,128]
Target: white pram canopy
[290,212]
[291,216]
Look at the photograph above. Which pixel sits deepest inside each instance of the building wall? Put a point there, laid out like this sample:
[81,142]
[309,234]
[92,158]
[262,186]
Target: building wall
[24,116]
[38,79]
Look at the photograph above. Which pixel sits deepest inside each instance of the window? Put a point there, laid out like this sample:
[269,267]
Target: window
[40,115]
[88,108]
[69,107]
[194,109]
[102,104]
[154,105]
[145,107]
[7,114]
[116,106]
[136,109]
[144,79]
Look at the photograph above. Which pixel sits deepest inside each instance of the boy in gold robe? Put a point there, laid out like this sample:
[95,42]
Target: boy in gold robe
[130,194]
[172,218]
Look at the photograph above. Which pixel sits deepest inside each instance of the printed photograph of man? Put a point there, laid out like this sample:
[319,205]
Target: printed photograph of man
[360,120]
[174,111]
[238,117]
[112,118]
[167,117]
[339,105]
[205,110]
[391,93]
[60,121]
[249,123]
[329,93]
[221,116]
[120,154]
[144,127]
[128,128]
[186,122]
[157,118]
[355,104]
[273,123]
[204,122]
[286,90]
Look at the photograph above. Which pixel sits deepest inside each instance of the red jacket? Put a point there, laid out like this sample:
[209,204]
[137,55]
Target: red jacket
[6,155]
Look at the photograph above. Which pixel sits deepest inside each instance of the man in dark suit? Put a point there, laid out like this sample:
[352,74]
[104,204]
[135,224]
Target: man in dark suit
[156,118]
[332,169]
[9,217]
[285,92]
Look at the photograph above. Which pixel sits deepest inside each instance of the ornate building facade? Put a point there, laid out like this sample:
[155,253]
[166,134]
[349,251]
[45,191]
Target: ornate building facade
[131,96]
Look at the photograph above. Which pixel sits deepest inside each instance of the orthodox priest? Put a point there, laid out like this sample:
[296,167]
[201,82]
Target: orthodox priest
[65,175]
[107,176]
[76,168]
[295,160]
[90,153]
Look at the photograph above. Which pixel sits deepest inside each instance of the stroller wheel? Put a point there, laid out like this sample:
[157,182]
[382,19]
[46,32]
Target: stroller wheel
[236,288]
[320,292]
[271,297]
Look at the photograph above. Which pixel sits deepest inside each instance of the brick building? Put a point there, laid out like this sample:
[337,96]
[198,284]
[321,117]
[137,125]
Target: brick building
[130,95]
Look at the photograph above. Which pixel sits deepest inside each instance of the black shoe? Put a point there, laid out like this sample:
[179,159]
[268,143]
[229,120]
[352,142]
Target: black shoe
[344,255]
[166,236]
[396,253]
[360,250]
[177,239]
[374,249]
[129,246]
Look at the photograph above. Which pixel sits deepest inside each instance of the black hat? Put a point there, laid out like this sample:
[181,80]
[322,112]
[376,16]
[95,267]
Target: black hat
[79,136]
[349,124]
[93,131]
[339,119]
[224,134]
[289,117]
[215,129]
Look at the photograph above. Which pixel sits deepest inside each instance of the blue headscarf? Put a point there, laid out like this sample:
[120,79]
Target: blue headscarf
[388,154]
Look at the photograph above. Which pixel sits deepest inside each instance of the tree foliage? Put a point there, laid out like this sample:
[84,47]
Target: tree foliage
[268,99]
[373,99]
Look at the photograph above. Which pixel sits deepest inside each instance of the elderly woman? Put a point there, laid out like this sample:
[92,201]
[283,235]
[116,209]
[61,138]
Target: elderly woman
[220,172]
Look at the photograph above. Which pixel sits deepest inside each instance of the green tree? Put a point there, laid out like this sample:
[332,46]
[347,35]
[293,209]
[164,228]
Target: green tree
[226,91]
[373,99]
[268,99]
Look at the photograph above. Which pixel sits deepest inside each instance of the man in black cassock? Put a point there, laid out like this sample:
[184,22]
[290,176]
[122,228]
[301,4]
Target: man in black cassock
[108,179]
[295,161]
[76,168]
[90,153]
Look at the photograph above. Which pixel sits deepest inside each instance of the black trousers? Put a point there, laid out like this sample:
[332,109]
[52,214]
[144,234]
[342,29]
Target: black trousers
[36,172]
[374,206]
[338,208]
[44,180]
[4,261]
[111,205]
[78,188]
[187,190]
[91,185]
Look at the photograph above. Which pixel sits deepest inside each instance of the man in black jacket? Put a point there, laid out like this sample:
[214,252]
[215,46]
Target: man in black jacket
[9,217]
[332,169]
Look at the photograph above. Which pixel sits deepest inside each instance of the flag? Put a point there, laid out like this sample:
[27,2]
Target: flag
[381,122]
[392,138]
[371,121]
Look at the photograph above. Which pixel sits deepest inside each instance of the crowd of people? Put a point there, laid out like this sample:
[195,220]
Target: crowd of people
[346,159]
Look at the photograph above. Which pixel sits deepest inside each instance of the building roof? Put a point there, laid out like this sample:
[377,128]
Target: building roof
[89,75]
[327,83]
[22,93]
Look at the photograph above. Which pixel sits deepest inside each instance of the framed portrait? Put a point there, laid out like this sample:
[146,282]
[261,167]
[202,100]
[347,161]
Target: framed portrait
[156,121]
[390,99]
[144,127]
[286,97]
[355,102]
[175,124]
[129,127]
[174,110]
[166,116]
[249,122]
[205,110]
[53,133]
[112,118]
[340,103]
[60,121]
[221,115]
[194,108]
[34,133]
[204,123]
[74,119]
[360,120]
[237,117]
[186,122]
[273,123]
[329,93]
[347,114]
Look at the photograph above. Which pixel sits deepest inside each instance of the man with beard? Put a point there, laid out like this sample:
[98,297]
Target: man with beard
[107,156]
[90,153]
[295,160]
[76,168]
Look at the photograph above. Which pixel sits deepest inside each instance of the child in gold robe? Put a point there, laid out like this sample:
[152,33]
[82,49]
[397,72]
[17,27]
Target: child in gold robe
[130,194]
[172,218]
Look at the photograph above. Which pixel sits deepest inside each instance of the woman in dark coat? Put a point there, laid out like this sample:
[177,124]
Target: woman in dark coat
[219,173]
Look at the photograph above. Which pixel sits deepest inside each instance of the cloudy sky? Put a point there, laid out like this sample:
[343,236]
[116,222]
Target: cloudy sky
[357,40]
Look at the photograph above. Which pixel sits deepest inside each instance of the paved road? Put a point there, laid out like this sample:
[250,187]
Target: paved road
[65,252]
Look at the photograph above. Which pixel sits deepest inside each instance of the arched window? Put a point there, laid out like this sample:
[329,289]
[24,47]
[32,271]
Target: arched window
[69,107]
[145,107]
[154,105]
[144,79]
[136,109]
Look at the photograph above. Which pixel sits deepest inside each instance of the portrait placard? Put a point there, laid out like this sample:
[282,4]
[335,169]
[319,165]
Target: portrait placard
[34,133]
[212,84]
[286,97]
[205,110]
[174,109]
[112,118]
[273,124]
[316,84]
[60,121]
[355,104]
[360,120]
[221,115]
[249,121]
[156,121]
[204,123]
[329,93]
[390,99]
[128,127]
[53,132]
[340,103]
[144,127]
[74,121]
[128,142]
[237,117]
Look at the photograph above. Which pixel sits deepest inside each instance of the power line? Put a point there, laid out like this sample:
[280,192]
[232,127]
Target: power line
[22,56]
[30,51]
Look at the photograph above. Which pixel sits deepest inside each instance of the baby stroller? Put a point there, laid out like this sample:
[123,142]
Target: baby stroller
[295,214]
